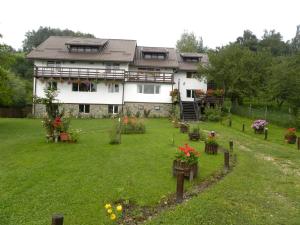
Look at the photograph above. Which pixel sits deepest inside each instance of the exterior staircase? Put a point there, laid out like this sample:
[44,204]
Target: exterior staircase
[189,112]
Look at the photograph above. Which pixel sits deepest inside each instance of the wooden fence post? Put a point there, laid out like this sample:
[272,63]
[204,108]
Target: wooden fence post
[266,133]
[230,122]
[298,143]
[226,159]
[243,129]
[57,219]
[180,185]
[231,145]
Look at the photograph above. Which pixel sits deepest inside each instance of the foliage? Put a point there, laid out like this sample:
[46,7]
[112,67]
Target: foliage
[74,134]
[147,112]
[188,42]
[259,124]
[114,213]
[115,133]
[138,114]
[187,154]
[35,38]
[133,125]
[211,139]
[290,132]
[213,114]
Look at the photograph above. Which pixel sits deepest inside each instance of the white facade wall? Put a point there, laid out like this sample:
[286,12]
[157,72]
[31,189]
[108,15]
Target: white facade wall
[66,95]
[188,83]
[131,94]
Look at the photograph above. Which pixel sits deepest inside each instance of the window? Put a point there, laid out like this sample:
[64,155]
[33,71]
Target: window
[190,75]
[148,89]
[112,66]
[84,87]
[149,55]
[190,93]
[191,59]
[84,108]
[84,49]
[52,85]
[53,64]
[113,109]
[113,88]
[157,108]
[141,107]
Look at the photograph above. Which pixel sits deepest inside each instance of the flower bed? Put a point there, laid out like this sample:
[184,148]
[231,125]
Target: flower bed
[133,125]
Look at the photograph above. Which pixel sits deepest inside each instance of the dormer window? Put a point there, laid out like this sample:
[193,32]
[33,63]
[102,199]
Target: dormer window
[84,49]
[160,56]
[191,57]
[86,45]
[154,53]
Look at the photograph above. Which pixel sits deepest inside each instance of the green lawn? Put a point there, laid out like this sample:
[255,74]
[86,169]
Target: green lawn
[38,179]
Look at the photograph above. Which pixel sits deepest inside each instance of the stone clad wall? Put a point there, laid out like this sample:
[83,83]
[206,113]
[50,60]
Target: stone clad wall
[100,111]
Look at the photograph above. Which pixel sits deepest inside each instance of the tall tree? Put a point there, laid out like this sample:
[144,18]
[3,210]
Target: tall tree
[35,38]
[272,41]
[188,42]
[248,40]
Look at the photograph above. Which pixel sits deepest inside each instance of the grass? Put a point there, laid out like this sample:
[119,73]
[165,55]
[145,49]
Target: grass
[38,179]
[264,188]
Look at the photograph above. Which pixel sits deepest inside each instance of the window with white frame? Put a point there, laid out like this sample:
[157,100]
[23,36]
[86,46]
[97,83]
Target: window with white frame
[148,89]
[83,108]
[113,88]
[84,87]
[113,109]
[190,93]
[52,85]
[53,63]
[111,67]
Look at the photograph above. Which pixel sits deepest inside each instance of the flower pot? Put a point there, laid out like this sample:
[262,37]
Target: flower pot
[190,171]
[259,131]
[184,128]
[211,148]
[194,136]
[64,136]
[291,139]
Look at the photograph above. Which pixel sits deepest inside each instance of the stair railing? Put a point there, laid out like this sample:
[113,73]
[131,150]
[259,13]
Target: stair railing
[196,108]
[180,106]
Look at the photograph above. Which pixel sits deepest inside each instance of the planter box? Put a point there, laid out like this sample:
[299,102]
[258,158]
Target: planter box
[259,131]
[184,128]
[211,149]
[190,171]
[194,136]
[291,139]
[64,136]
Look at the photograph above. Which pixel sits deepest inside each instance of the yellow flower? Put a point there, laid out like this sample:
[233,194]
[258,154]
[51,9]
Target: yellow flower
[119,208]
[113,216]
[107,206]
[109,211]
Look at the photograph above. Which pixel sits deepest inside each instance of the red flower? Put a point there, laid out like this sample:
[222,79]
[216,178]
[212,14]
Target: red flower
[188,150]
[57,122]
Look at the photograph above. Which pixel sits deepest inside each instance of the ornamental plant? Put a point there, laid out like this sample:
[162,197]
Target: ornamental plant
[187,154]
[259,124]
[218,92]
[199,93]
[290,135]
[113,212]
[133,125]
[211,139]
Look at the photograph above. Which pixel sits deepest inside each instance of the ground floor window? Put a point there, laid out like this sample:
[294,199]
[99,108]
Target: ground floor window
[113,109]
[84,108]
[190,93]
[157,108]
[52,85]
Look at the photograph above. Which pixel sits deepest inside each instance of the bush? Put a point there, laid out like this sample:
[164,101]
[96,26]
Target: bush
[115,134]
[147,113]
[133,125]
[213,114]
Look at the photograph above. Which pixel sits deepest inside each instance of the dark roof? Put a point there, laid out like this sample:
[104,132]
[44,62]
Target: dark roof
[191,66]
[154,50]
[86,42]
[169,62]
[54,47]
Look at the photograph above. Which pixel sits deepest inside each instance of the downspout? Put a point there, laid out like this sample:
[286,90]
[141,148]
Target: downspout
[123,93]
[34,89]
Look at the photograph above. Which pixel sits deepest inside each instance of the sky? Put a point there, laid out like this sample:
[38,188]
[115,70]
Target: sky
[151,22]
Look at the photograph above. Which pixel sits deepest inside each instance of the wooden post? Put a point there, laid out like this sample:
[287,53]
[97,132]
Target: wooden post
[298,143]
[57,219]
[231,145]
[230,122]
[266,133]
[226,159]
[180,185]
[243,129]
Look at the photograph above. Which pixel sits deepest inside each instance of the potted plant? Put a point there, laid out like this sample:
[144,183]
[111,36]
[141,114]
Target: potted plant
[187,160]
[259,126]
[211,144]
[290,136]
[195,134]
[184,127]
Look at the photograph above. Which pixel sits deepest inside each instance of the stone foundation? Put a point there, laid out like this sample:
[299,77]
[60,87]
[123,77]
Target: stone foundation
[101,111]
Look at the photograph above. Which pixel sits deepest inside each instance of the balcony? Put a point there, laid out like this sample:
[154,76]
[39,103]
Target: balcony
[102,74]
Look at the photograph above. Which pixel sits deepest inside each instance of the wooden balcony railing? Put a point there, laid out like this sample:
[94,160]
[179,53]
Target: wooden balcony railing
[105,74]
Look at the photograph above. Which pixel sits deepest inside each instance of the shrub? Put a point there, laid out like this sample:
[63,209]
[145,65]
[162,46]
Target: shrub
[213,114]
[115,134]
[74,135]
[147,112]
[259,124]
[138,114]
[133,125]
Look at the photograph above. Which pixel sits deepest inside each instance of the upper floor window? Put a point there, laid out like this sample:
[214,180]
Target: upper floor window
[84,87]
[154,55]
[113,88]
[148,88]
[191,59]
[190,75]
[52,85]
[110,67]
[53,63]
[84,49]
[149,69]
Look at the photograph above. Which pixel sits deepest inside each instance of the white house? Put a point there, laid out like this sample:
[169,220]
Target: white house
[98,77]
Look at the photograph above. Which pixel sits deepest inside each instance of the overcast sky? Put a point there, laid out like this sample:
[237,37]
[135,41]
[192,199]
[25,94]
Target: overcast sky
[151,22]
